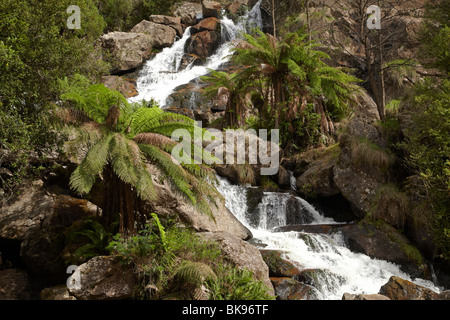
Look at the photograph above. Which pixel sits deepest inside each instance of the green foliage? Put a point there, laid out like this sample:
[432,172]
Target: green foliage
[292,80]
[435,36]
[427,147]
[176,266]
[237,284]
[129,135]
[98,239]
[37,48]
[122,15]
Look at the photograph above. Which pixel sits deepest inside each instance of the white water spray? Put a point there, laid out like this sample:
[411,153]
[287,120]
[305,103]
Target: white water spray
[341,270]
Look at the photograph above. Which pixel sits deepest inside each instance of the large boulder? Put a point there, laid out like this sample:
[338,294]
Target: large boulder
[400,289]
[356,178]
[203,44]
[208,24]
[37,218]
[287,288]
[102,278]
[241,254]
[161,35]
[126,50]
[173,22]
[170,203]
[278,266]
[189,12]
[211,9]
[318,178]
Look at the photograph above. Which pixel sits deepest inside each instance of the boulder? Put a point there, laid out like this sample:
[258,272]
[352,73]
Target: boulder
[211,9]
[400,289]
[173,22]
[278,266]
[37,209]
[125,86]
[241,254]
[189,12]
[357,181]
[203,44]
[172,204]
[287,288]
[317,179]
[37,218]
[208,24]
[284,178]
[102,278]
[161,35]
[126,50]
[349,296]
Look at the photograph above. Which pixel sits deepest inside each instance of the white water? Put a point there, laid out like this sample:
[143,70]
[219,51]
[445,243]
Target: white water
[161,75]
[345,271]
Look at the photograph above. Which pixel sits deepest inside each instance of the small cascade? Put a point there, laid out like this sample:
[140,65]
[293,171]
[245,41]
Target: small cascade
[161,75]
[334,268]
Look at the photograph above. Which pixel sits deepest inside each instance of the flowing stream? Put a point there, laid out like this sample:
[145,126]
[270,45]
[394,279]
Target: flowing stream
[161,75]
[341,270]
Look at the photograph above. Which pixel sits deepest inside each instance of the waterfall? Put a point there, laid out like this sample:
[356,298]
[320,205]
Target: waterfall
[338,269]
[161,75]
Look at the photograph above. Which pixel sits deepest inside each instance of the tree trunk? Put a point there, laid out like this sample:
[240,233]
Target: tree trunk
[120,203]
[273,20]
[382,106]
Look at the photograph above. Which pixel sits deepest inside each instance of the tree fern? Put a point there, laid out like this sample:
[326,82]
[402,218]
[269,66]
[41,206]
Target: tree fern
[83,178]
[127,136]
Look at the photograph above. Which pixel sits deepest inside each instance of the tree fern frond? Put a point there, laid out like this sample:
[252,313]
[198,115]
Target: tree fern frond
[161,141]
[83,177]
[121,161]
[174,172]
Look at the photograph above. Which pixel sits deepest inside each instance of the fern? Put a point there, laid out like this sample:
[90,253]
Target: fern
[125,136]
[194,273]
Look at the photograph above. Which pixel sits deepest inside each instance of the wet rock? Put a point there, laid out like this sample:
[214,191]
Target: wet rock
[284,179]
[102,278]
[349,296]
[208,24]
[287,288]
[203,44]
[242,254]
[400,289]
[278,266]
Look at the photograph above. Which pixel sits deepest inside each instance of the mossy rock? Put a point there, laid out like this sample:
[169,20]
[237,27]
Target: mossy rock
[278,266]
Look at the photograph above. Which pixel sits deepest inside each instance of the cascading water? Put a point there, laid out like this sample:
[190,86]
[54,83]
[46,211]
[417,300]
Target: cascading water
[340,270]
[162,74]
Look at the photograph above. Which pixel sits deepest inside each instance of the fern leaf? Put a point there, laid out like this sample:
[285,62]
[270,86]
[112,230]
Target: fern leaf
[83,177]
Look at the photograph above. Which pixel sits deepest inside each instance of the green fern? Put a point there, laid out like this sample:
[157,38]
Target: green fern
[194,273]
[127,136]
